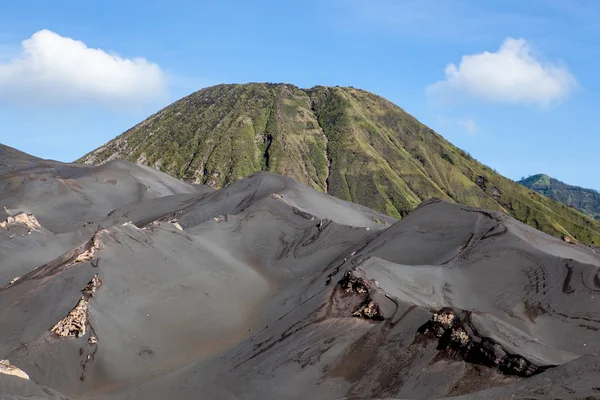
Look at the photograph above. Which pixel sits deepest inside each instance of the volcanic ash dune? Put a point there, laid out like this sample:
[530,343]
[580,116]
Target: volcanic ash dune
[121,282]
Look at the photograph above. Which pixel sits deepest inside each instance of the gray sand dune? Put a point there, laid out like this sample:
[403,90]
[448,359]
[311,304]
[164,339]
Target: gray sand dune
[15,388]
[138,286]
[63,196]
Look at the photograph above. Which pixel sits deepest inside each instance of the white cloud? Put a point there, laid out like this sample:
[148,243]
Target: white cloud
[469,125]
[510,75]
[54,69]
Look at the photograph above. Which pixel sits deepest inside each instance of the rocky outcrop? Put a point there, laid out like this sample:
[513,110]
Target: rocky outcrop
[89,253]
[74,324]
[368,309]
[220,218]
[355,285]
[25,221]
[7,368]
[458,338]
[352,283]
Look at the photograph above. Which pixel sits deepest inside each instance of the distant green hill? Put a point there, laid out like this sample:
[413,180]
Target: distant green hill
[345,141]
[585,200]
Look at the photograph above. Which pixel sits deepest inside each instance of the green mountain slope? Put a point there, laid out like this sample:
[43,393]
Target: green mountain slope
[345,141]
[585,200]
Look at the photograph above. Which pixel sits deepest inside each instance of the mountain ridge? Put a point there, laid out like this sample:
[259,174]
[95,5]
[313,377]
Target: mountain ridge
[344,141]
[585,200]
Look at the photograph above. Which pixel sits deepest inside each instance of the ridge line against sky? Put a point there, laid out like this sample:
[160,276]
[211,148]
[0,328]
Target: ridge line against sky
[514,84]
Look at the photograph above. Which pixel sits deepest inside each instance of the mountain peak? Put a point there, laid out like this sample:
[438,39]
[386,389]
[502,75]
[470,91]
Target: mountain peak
[537,179]
[586,201]
[345,141]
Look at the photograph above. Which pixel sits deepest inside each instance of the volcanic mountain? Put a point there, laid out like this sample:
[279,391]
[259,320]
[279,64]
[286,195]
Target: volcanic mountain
[585,200]
[346,142]
[122,282]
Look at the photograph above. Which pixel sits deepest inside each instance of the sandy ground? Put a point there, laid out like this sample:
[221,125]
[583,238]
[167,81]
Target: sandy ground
[268,289]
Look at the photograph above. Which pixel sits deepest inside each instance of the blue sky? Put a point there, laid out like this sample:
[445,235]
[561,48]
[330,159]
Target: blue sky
[522,94]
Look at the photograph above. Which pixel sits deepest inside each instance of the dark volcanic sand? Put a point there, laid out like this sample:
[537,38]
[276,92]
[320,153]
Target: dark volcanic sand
[267,289]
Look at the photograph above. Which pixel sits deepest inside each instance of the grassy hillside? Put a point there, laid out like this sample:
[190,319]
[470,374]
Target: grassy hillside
[585,200]
[348,142]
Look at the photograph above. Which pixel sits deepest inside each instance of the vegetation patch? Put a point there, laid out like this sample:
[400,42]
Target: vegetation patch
[358,146]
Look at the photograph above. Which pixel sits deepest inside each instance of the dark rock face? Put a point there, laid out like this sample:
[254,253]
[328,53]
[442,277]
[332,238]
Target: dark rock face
[482,181]
[368,309]
[518,366]
[357,286]
[351,283]
[458,337]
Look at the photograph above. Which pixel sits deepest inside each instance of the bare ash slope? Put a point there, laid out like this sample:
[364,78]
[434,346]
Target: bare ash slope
[268,289]
[347,142]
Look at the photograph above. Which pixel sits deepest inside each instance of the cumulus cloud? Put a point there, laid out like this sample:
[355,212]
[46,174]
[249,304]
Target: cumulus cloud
[510,75]
[55,69]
